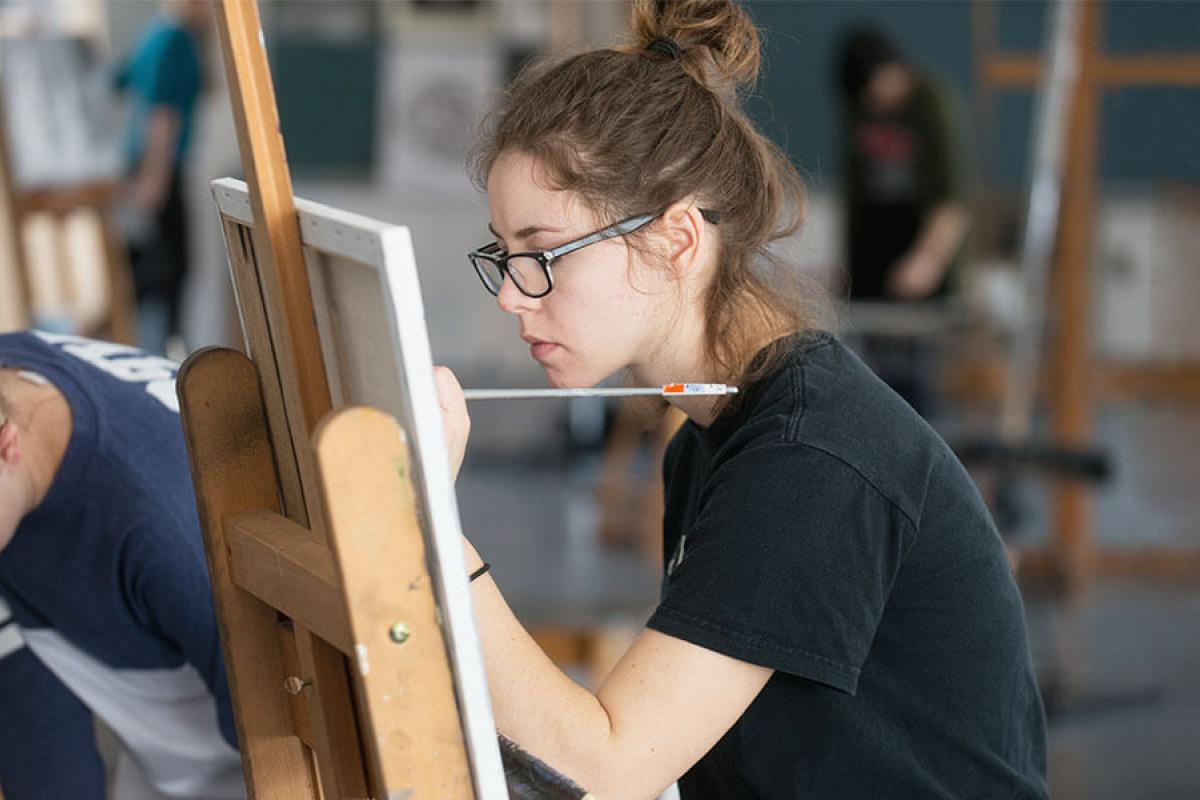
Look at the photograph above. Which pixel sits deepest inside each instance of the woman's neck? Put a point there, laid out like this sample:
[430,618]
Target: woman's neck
[680,358]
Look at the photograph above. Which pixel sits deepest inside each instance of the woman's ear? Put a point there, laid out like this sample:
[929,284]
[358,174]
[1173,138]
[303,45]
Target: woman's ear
[685,236]
[10,444]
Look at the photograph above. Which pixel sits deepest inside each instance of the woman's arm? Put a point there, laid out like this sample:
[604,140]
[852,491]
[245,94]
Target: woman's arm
[665,704]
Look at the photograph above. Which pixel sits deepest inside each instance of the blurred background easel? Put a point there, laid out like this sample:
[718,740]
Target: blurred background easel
[63,261]
[1071,380]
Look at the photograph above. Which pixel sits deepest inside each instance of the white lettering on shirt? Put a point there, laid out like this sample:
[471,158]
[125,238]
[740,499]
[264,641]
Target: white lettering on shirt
[124,363]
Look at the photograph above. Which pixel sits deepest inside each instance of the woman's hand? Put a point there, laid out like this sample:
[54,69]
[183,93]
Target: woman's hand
[456,423]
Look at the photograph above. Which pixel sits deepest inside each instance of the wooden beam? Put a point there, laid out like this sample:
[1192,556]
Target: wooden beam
[97,195]
[1071,347]
[1174,564]
[1015,71]
[302,724]
[400,659]
[225,427]
[1148,70]
[336,744]
[980,379]
[122,311]
[277,250]
[1043,566]
[1012,71]
[16,301]
[280,563]
[1172,382]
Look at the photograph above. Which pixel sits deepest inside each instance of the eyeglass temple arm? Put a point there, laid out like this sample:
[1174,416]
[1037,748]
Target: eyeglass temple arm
[616,229]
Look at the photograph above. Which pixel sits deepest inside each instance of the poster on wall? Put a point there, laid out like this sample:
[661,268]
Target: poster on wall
[434,99]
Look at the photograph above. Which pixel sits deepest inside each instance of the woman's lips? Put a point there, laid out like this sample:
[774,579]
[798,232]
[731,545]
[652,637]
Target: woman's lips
[541,350]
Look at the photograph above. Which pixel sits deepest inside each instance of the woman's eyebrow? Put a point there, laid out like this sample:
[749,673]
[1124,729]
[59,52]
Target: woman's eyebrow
[526,232]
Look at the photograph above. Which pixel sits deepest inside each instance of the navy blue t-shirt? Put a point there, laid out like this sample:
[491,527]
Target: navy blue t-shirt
[105,602]
[824,530]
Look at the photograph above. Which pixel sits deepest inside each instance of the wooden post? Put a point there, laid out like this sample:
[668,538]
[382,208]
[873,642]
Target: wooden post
[232,469]
[279,258]
[400,659]
[1072,376]
[14,286]
[122,312]
[1071,406]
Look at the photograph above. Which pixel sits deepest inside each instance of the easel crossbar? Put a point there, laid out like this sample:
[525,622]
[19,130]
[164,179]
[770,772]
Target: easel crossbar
[282,564]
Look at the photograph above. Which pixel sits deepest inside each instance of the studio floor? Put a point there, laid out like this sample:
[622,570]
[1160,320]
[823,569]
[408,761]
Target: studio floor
[1118,661]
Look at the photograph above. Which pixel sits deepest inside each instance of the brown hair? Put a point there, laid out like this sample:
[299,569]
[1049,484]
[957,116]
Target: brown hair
[635,128]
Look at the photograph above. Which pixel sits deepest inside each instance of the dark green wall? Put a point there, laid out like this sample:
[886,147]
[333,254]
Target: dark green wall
[1148,134]
[328,90]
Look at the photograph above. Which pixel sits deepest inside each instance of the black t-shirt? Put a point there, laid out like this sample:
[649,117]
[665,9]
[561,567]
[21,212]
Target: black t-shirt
[823,529]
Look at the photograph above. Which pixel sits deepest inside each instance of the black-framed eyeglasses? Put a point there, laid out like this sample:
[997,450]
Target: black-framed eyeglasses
[530,271]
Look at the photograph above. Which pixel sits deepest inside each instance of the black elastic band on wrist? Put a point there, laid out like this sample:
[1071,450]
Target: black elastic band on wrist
[668,47]
[486,566]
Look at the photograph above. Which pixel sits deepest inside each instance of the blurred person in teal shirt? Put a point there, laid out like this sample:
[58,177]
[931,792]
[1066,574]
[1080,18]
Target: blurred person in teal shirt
[163,77]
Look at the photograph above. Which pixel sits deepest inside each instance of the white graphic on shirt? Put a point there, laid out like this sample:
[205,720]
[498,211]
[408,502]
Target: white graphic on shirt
[33,377]
[677,559]
[10,634]
[165,720]
[10,640]
[124,363]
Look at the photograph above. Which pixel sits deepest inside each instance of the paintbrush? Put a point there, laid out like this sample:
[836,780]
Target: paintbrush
[669,390]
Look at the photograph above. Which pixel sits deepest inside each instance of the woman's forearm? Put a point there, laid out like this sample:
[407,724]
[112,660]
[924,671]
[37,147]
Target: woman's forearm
[535,703]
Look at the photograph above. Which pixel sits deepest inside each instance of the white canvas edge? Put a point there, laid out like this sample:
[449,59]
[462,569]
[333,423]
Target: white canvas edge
[322,227]
[388,248]
[458,617]
[233,199]
[222,219]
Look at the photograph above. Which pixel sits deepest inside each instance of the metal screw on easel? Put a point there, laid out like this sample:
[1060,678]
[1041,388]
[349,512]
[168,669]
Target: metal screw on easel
[399,632]
[293,685]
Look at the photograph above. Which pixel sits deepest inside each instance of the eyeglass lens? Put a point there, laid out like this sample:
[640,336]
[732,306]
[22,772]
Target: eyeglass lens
[526,272]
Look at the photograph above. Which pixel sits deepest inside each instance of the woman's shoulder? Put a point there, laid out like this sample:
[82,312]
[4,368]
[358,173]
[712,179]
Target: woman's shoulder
[824,398]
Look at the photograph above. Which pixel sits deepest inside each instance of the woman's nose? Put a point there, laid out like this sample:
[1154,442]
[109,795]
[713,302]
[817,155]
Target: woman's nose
[511,299]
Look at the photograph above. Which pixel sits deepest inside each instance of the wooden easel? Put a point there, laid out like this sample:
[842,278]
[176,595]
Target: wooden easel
[14,302]
[17,206]
[332,633]
[98,198]
[1072,555]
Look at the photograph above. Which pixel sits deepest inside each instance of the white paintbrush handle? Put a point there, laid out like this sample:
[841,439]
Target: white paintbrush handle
[671,390]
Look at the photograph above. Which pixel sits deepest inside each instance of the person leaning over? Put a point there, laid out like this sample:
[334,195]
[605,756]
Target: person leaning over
[105,606]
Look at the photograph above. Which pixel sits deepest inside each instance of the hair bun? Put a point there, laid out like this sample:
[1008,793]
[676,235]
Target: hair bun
[717,40]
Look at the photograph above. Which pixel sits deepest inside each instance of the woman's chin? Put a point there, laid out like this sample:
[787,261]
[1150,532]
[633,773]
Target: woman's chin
[570,379]
[556,380]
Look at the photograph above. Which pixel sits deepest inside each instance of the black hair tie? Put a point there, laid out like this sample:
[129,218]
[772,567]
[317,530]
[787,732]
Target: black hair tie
[667,47]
